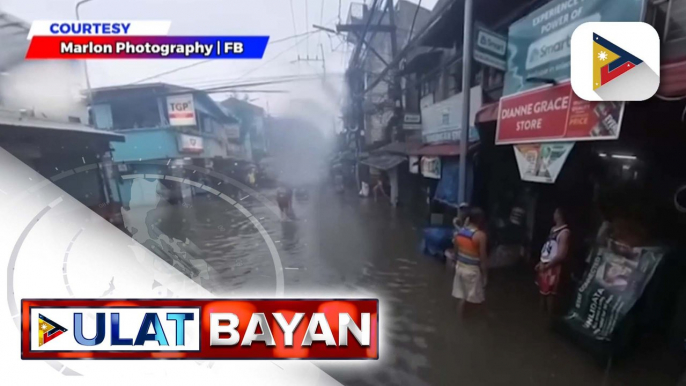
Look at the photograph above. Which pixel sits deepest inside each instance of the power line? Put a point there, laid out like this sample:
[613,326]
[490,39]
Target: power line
[219,88]
[252,82]
[307,35]
[414,19]
[207,60]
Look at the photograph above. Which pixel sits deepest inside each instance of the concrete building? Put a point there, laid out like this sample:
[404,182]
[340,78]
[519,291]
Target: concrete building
[168,125]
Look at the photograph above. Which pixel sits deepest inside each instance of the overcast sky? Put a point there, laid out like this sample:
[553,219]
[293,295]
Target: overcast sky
[218,17]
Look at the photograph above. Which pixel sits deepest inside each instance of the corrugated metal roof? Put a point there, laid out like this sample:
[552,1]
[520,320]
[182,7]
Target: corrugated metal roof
[443,150]
[13,33]
[384,161]
[398,147]
[15,119]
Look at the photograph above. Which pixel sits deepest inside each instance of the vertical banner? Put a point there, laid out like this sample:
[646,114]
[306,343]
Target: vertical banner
[615,281]
[181,110]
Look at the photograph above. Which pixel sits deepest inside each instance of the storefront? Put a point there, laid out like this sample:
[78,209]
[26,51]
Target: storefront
[606,163]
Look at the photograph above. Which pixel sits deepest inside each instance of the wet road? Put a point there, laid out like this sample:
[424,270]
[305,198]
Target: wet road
[345,246]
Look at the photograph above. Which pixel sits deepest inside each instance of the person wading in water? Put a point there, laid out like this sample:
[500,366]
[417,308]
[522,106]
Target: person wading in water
[554,252]
[471,269]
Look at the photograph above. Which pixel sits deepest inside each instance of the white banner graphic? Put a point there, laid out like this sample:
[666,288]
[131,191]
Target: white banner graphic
[99,28]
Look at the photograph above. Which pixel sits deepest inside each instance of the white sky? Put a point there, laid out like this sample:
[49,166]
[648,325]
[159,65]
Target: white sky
[217,17]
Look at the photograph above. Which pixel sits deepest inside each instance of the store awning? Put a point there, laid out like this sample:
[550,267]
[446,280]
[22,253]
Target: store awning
[16,120]
[443,150]
[673,80]
[488,113]
[403,148]
[384,161]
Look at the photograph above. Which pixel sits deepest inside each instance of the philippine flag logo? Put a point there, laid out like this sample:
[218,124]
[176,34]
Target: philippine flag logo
[615,61]
[48,330]
[610,61]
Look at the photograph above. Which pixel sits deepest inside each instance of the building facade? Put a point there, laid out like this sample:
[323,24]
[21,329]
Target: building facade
[166,124]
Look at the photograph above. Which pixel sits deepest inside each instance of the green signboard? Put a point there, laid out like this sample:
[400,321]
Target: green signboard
[538,46]
[615,281]
[490,48]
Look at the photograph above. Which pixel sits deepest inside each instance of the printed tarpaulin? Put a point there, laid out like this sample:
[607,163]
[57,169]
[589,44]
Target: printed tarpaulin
[447,189]
[616,280]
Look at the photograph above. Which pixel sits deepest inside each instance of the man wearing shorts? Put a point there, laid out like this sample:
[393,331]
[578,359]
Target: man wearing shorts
[471,266]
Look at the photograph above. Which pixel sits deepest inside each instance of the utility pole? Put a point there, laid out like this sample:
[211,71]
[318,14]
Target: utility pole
[321,48]
[466,93]
[395,85]
[85,61]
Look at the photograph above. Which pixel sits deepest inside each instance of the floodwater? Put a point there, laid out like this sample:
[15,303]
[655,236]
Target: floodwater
[342,245]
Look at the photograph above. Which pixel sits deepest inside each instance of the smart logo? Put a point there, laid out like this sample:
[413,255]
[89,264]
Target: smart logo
[615,61]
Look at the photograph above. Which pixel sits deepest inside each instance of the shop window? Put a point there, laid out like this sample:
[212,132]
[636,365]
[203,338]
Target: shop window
[135,113]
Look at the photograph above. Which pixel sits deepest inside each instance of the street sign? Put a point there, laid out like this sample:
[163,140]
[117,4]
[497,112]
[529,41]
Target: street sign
[412,122]
[490,48]
[181,110]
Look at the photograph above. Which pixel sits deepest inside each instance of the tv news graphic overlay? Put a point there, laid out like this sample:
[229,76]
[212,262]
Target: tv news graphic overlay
[200,329]
[134,40]
[615,61]
[47,330]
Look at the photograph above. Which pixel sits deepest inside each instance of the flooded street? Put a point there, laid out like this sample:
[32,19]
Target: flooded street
[344,246]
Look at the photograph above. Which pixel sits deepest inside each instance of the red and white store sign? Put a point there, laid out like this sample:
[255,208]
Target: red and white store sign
[554,113]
